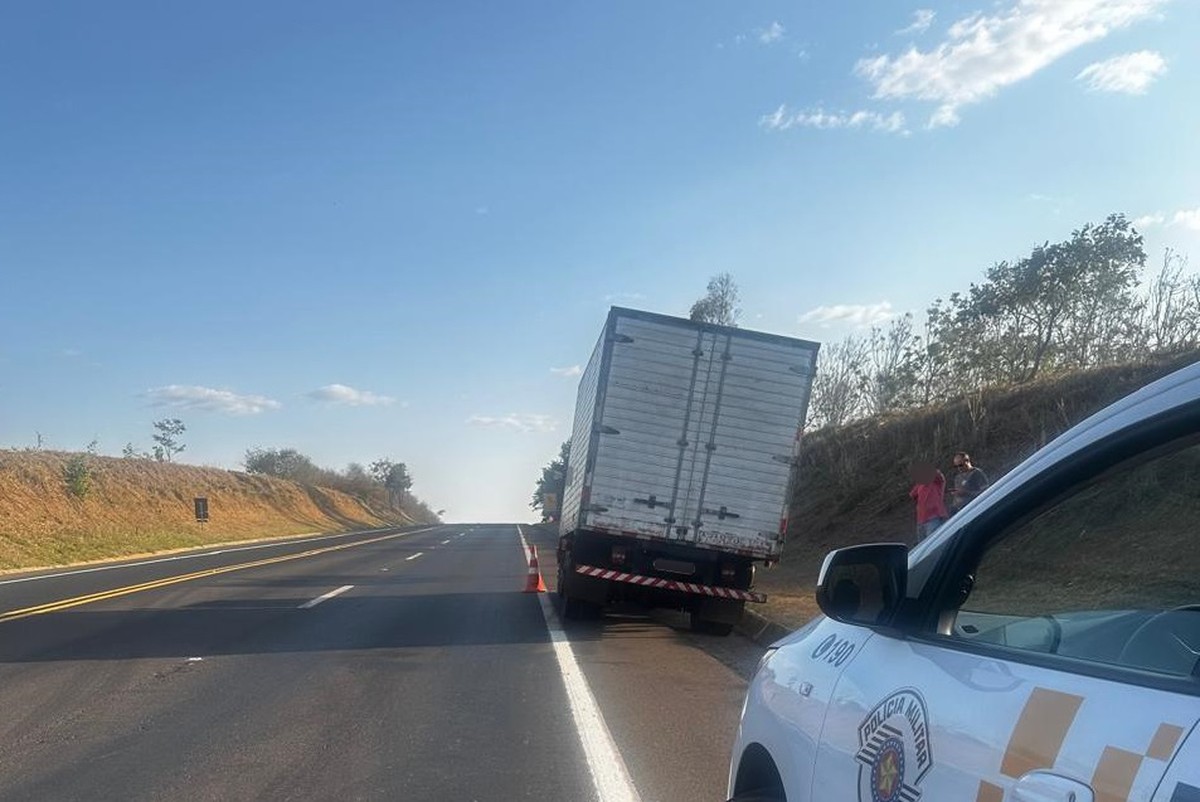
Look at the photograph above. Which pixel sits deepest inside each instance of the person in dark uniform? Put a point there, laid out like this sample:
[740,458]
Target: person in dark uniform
[969,481]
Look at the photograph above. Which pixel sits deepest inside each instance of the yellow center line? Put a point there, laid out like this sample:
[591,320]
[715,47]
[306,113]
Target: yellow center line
[76,601]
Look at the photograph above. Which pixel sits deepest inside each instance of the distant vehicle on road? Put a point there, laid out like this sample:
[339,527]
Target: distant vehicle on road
[682,450]
[1042,645]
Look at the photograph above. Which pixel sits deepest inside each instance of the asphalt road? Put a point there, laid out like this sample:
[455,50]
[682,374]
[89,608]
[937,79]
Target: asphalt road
[398,664]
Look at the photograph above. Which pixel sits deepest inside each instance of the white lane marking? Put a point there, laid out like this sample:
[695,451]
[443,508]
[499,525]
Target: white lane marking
[193,556]
[326,597]
[413,556]
[609,775]
[444,542]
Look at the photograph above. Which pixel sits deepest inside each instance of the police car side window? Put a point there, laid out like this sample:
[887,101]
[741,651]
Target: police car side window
[1108,574]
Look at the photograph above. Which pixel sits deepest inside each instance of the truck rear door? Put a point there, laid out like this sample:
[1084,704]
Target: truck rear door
[757,395]
[649,426]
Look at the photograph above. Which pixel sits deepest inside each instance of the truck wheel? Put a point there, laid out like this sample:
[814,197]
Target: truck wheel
[573,609]
[703,626]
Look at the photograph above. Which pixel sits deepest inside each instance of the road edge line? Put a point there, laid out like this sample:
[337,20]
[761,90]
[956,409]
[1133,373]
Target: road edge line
[610,776]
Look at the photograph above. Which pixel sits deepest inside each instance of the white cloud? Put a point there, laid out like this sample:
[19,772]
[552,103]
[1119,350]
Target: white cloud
[1188,218]
[1185,218]
[782,119]
[207,399]
[623,297]
[922,19]
[567,372]
[945,117]
[1054,202]
[348,396]
[857,315]
[1131,73]
[771,34]
[981,53]
[519,421]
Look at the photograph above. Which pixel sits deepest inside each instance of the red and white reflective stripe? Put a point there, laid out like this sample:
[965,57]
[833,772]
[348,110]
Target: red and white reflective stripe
[670,584]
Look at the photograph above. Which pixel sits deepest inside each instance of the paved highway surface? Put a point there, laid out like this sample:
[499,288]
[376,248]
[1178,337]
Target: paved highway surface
[395,664]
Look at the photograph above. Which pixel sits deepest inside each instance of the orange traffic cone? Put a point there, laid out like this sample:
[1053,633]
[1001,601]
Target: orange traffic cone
[534,583]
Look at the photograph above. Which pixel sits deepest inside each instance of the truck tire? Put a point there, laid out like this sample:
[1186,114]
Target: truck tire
[572,607]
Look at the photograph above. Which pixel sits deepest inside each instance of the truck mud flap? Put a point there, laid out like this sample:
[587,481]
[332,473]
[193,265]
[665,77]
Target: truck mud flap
[670,584]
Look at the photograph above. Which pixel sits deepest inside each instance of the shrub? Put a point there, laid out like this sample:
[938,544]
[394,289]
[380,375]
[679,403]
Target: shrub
[78,476]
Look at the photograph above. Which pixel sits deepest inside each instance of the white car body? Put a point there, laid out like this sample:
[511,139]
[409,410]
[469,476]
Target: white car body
[843,711]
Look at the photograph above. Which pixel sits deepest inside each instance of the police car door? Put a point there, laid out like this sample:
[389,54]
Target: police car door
[1071,669]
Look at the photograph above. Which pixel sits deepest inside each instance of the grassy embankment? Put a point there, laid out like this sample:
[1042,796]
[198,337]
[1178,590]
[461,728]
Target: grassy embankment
[852,484]
[137,506]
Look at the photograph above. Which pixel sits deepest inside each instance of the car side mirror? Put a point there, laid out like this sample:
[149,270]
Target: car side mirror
[863,585]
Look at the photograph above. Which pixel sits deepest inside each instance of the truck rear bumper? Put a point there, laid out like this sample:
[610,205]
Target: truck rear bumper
[670,584]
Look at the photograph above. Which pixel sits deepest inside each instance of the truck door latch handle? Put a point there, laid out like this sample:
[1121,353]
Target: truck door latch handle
[722,513]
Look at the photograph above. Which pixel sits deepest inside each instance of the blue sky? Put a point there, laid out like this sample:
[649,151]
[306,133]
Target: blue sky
[366,229]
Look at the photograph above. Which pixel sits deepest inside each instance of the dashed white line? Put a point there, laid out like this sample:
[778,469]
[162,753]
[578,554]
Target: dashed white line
[444,542]
[413,556]
[609,774]
[326,597]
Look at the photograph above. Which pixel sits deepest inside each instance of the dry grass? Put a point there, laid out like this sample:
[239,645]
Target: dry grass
[787,606]
[138,506]
[852,485]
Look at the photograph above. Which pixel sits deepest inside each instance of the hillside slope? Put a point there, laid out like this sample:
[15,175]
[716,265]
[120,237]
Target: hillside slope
[852,482]
[135,506]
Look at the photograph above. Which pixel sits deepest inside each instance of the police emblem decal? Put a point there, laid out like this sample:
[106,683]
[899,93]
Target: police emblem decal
[894,753]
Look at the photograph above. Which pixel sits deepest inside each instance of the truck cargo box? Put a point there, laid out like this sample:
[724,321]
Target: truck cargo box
[687,432]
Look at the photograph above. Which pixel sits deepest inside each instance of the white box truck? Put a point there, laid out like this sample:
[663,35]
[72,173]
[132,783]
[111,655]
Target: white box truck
[684,440]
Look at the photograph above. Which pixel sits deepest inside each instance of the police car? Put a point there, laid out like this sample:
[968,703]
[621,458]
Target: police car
[1042,646]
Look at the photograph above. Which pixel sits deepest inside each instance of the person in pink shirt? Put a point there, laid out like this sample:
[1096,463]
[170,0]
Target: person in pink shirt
[929,492]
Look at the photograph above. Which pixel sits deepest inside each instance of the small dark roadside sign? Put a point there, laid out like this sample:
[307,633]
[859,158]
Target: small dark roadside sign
[201,509]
